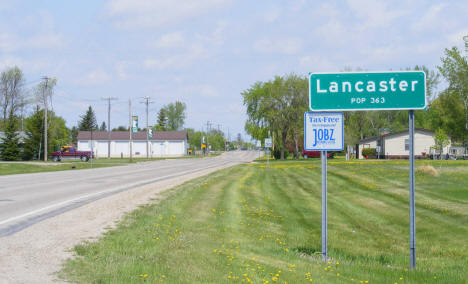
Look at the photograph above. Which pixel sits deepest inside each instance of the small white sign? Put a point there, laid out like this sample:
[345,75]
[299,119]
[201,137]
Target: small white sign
[268,143]
[377,149]
[259,143]
[323,131]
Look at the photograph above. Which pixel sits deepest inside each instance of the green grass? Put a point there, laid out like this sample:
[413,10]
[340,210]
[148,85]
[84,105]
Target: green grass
[250,223]
[7,168]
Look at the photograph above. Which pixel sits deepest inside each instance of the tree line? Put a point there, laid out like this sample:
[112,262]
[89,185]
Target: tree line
[276,108]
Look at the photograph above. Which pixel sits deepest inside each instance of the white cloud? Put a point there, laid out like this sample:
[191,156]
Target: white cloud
[456,38]
[121,69]
[201,90]
[271,16]
[315,63]
[170,40]
[208,91]
[11,42]
[430,18]
[158,13]
[195,53]
[217,37]
[376,13]
[278,45]
[95,77]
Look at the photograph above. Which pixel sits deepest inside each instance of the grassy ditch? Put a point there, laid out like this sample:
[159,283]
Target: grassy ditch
[9,168]
[250,224]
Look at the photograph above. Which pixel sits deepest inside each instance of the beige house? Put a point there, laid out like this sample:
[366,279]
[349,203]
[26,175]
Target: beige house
[396,145]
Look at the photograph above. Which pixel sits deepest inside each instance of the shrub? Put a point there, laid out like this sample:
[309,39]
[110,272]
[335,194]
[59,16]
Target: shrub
[368,152]
[429,170]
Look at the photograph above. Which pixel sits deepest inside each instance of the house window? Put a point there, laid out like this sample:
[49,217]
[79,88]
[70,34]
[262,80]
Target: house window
[406,144]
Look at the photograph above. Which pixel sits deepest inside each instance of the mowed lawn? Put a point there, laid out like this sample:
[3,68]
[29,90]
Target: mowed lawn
[252,224]
[10,168]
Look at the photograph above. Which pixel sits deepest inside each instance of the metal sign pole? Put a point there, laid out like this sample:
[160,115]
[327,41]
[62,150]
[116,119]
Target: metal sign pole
[268,157]
[411,193]
[324,205]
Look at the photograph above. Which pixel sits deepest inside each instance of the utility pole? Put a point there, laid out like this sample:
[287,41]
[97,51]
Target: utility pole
[108,99]
[207,134]
[147,102]
[44,97]
[130,128]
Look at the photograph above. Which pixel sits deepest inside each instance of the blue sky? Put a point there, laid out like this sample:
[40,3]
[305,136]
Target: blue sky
[206,52]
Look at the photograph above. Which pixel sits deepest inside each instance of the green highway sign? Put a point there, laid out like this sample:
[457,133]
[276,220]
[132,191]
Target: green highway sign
[395,90]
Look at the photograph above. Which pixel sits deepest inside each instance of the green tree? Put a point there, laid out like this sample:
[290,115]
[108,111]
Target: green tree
[454,69]
[10,145]
[103,126]
[442,140]
[88,121]
[59,135]
[162,120]
[11,91]
[74,135]
[120,128]
[271,107]
[175,113]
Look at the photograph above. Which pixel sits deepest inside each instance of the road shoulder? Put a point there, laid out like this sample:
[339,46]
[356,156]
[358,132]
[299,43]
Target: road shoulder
[36,253]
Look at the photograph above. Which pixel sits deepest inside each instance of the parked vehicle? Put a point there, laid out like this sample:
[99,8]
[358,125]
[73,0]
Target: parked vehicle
[69,152]
[315,154]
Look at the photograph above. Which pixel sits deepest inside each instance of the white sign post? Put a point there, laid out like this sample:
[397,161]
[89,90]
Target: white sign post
[323,131]
[268,145]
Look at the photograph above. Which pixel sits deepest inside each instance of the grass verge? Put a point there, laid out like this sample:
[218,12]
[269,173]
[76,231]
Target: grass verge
[9,168]
[250,224]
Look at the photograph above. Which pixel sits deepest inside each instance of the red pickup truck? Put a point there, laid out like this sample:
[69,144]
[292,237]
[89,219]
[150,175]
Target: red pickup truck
[69,152]
[315,154]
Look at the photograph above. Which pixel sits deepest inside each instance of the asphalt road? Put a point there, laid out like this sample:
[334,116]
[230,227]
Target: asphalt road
[26,199]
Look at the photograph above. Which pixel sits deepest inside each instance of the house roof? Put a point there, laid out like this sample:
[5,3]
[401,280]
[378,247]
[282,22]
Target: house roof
[393,134]
[124,135]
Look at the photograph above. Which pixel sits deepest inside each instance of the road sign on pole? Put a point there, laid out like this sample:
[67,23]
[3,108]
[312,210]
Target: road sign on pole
[323,131]
[395,90]
[268,145]
[357,91]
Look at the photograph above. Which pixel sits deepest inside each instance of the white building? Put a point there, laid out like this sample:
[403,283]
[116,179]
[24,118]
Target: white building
[396,145]
[163,143]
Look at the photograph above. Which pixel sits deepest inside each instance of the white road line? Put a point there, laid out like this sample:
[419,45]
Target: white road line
[99,193]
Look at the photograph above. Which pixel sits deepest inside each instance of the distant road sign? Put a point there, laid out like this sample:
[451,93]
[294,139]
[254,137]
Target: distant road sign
[259,143]
[396,90]
[323,131]
[268,143]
